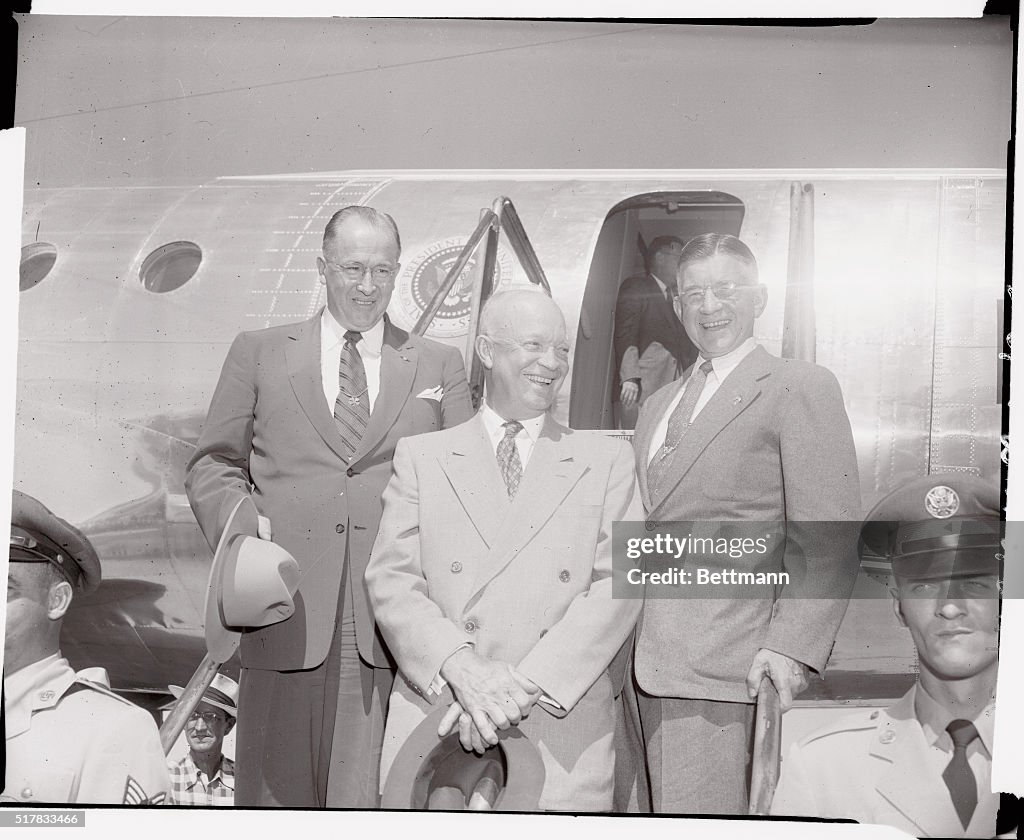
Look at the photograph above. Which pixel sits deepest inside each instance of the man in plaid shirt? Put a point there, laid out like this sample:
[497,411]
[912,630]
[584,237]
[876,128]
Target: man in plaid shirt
[205,776]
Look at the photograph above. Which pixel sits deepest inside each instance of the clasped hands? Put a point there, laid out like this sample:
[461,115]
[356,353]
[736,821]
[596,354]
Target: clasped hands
[489,695]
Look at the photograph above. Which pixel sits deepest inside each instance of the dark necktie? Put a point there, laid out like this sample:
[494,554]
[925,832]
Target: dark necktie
[352,407]
[958,776]
[678,423]
[508,457]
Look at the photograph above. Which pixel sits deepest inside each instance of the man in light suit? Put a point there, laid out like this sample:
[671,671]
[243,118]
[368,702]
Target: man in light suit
[742,436]
[924,765]
[305,418]
[650,348]
[491,577]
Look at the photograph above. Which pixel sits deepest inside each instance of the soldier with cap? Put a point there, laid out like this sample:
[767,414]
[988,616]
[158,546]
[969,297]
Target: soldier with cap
[924,764]
[205,776]
[69,738]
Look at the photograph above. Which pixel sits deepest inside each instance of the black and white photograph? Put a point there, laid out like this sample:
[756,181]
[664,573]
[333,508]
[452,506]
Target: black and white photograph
[535,416]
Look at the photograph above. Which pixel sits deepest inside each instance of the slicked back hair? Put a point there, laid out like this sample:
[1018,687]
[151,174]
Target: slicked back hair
[369,215]
[657,245]
[712,244]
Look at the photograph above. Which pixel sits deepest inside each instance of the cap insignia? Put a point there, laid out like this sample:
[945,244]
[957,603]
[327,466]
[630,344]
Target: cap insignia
[942,502]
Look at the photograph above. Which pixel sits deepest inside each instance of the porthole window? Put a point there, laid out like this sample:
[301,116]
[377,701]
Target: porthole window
[36,261]
[170,266]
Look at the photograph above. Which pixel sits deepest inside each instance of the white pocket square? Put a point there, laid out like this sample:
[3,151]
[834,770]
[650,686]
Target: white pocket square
[431,393]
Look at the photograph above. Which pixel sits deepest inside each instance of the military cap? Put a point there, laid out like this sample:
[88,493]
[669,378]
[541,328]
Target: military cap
[934,526]
[40,536]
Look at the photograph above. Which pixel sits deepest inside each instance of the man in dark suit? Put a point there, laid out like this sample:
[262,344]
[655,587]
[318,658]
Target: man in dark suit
[650,348]
[305,418]
[742,436]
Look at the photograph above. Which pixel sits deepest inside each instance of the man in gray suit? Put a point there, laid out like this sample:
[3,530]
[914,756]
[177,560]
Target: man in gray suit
[305,419]
[743,435]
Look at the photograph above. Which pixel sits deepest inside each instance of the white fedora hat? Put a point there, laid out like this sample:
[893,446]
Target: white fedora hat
[251,584]
[222,693]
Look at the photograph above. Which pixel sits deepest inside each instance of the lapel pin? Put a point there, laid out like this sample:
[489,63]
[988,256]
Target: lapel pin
[887,737]
[737,400]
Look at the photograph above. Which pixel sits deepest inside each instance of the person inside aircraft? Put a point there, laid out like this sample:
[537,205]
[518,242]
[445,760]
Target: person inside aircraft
[304,420]
[744,435]
[491,575]
[650,348]
[205,776]
[924,764]
[69,738]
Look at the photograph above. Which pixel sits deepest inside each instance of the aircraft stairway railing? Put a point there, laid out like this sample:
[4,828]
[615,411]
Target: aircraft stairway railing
[502,216]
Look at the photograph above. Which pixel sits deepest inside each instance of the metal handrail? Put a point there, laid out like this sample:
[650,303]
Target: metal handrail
[487,221]
[522,246]
[171,728]
[764,771]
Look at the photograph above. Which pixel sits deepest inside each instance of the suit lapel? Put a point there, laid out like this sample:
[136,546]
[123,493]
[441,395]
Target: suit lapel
[472,471]
[653,410]
[550,475]
[732,398]
[922,798]
[302,356]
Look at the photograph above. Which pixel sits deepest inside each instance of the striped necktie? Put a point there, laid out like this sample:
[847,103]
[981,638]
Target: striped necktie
[958,776]
[678,423]
[352,407]
[508,457]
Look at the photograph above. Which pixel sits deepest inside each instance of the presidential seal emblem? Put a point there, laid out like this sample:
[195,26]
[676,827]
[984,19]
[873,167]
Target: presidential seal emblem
[418,283]
[942,502]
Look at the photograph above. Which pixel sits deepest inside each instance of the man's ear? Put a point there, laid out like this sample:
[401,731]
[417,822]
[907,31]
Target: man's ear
[321,268]
[58,599]
[897,611]
[485,351]
[762,299]
[230,724]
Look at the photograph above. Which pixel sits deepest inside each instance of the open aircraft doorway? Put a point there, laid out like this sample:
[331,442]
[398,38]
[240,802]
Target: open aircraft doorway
[628,229]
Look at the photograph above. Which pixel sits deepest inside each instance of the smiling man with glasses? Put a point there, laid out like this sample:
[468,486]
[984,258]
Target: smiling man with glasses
[305,419]
[745,436]
[205,776]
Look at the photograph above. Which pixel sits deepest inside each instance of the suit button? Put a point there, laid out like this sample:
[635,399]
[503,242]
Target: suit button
[469,626]
[350,472]
[564,576]
[26,793]
[456,567]
[339,528]
[650,526]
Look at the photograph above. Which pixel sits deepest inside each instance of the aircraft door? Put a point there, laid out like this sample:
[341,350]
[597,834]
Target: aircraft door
[620,253]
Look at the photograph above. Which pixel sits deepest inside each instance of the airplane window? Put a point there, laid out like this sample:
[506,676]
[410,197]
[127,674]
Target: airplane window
[170,266]
[37,259]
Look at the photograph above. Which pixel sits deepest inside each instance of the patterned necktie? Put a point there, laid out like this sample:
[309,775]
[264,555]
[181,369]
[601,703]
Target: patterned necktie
[352,407]
[508,457]
[958,776]
[678,423]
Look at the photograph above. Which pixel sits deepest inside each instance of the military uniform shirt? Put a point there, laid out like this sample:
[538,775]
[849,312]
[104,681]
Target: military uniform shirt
[70,741]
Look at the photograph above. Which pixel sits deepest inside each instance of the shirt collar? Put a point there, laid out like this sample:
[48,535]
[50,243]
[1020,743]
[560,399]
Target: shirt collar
[934,718]
[661,284]
[223,773]
[24,690]
[494,424]
[332,334]
[726,364]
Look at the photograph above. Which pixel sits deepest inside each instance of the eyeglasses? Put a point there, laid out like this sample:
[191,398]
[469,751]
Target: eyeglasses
[724,292]
[535,348]
[381,275]
[209,718]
